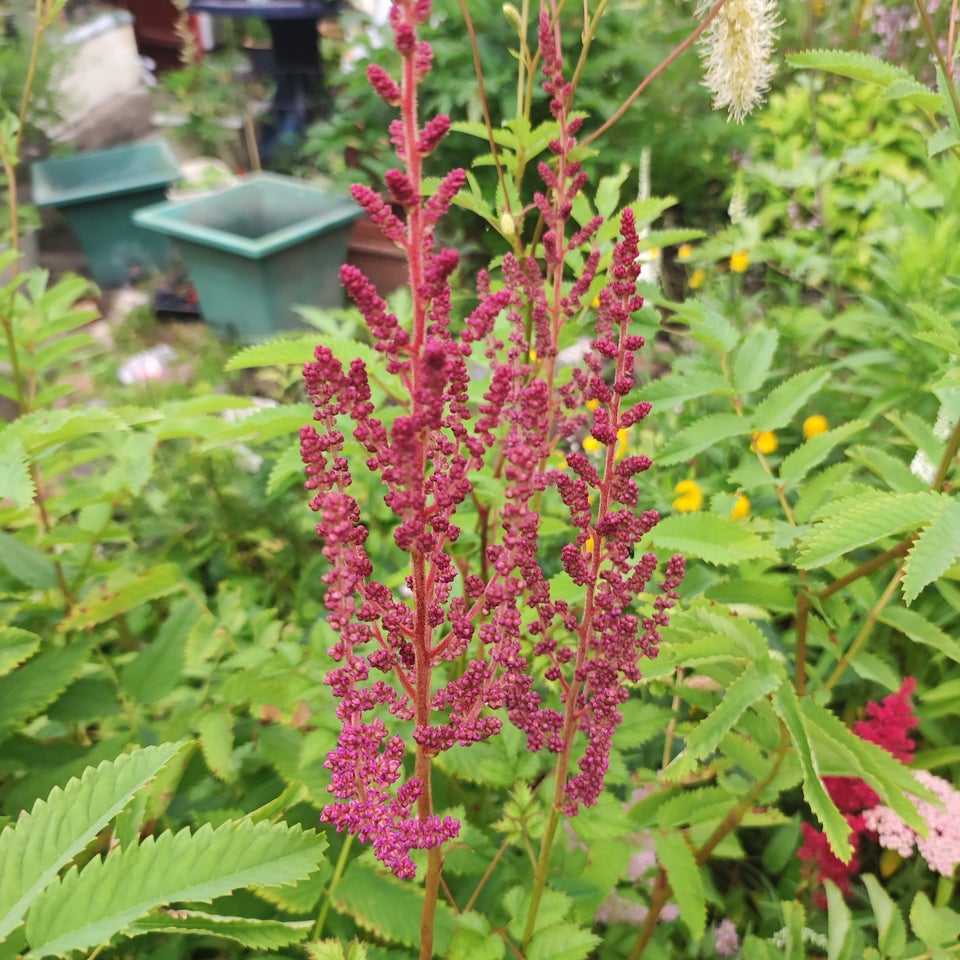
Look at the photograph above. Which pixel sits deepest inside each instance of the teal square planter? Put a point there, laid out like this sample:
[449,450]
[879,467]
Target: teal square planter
[97,194]
[257,249]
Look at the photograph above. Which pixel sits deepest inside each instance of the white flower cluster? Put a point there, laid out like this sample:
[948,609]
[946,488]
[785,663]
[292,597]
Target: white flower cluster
[736,51]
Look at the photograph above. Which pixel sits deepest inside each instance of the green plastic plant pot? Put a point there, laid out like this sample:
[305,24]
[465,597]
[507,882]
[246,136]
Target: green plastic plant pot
[97,194]
[257,249]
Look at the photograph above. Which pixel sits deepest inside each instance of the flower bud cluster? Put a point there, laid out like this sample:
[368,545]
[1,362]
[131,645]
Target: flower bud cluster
[495,613]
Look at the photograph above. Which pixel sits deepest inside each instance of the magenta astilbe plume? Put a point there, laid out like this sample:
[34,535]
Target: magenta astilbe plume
[493,610]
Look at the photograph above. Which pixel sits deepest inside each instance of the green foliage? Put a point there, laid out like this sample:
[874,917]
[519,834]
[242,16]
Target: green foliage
[116,895]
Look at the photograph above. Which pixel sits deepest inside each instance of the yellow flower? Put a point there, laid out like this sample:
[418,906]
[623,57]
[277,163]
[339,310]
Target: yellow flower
[588,545]
[684,252]
[533,355]
[741,508]
[764,442]
[596,302]
[593,404]
[622,438]
[691,497]
[739,262]
[591,444]
[815,425]
[696,279]
[653,253]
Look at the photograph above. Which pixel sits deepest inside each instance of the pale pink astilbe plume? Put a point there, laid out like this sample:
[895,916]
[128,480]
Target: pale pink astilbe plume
[727,943]
[941,847]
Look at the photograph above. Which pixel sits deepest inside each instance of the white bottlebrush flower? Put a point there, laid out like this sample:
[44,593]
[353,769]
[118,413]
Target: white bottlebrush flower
[736,50]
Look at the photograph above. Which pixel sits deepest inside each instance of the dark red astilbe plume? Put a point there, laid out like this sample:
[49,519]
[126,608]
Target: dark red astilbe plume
[513,640]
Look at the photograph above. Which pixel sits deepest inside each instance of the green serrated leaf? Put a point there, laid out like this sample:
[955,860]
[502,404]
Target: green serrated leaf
[389,908]
[780,406]
[855,66]
[916,94]
[252,933]
[839,924]
[123,594]
[840,752]
[891,930]
[942,140]
[751,363]
[274,353]
[16,647]
[711,538]
[26,564]
[563,941]
[865,521]
[933,552]
[288,464]
[694,806]
[811,453]
[834,824]
[215,729]
[16,483]
[911,624]
[58,828]
[262,425]
[937,927]
[686,881]
[29,690]
[749,687]
[89,907]
[474,940]
[677,388]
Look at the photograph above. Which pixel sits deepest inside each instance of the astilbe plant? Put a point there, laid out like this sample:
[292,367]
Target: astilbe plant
[556,670]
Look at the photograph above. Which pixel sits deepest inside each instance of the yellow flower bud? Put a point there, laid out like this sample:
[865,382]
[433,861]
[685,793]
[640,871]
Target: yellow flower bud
[588,545]
[739,262]
[508,226]
[696,279]
[815,425]
[741,508]
[684,252]
[591,444]
[595,302]
[691,497]
[764,442]
[593,404]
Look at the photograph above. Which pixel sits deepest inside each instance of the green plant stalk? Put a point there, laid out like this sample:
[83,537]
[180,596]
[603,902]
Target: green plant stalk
[660,68]
[865,630]
[42,16]
[485,107]
[561,769]
[933,40]
[946,461]
[952,39]
[338,872]
[661,889]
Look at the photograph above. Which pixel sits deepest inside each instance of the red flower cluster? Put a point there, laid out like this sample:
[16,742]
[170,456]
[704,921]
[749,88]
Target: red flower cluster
[887,724]
[492,612]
